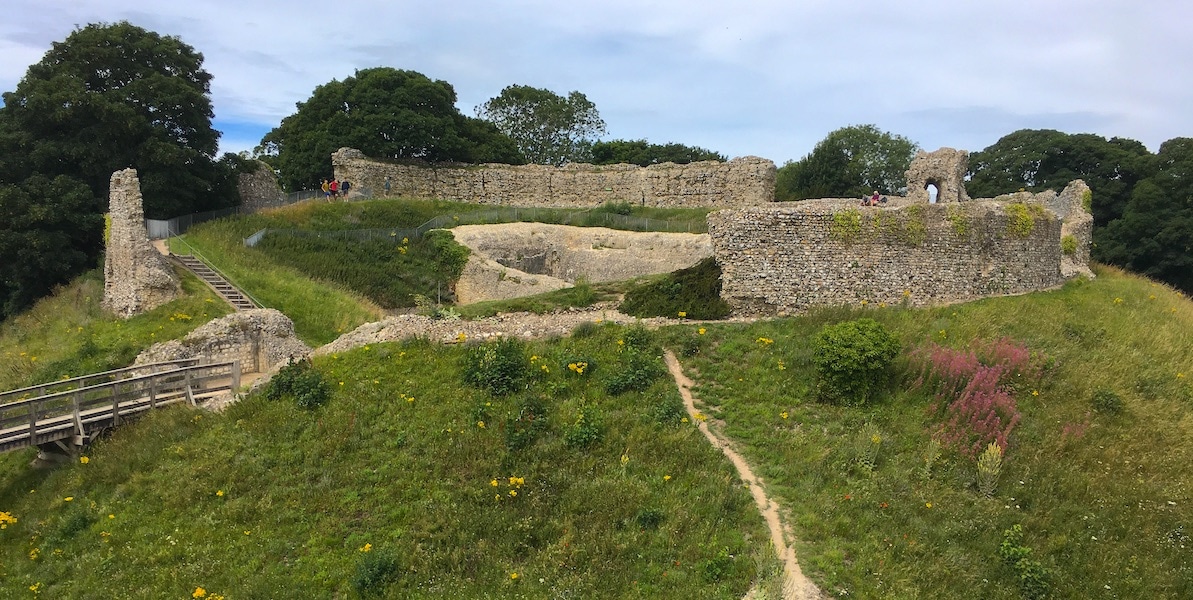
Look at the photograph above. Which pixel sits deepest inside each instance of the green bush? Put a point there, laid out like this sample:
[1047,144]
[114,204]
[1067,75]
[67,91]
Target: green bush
[853,360]
[374,572]
[522,429]
[587,430]
[1068,245]
[695,291]
[1107,401]
[498,367]
[636,372]
[667,409]
[302,382]
[1030,574]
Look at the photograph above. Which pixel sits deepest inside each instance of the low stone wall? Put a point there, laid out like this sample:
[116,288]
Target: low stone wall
[744,181]
[785,259]
[260,339]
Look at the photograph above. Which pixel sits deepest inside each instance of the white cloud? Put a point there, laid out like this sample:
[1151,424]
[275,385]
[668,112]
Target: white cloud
[768,78]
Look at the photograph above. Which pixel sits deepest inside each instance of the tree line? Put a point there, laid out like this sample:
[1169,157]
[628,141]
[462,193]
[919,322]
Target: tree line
[112,96]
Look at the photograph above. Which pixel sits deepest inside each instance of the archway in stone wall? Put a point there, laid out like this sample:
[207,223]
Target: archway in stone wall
[933,191]
[943,169]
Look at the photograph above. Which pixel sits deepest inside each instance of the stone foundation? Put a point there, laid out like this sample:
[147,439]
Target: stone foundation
[260,339]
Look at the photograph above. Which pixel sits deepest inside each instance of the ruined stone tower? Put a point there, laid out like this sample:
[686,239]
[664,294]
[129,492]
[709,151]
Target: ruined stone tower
[136,277]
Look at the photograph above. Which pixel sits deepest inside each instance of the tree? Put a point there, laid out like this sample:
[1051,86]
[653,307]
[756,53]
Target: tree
[1154,236]
[385,113]
[116,96]
[1043,159]
[50,231]
[548,128]
[849,162]
[641,153]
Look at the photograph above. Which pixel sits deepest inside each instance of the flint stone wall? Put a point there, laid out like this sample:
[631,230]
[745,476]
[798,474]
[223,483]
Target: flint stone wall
[743,181]
[945,168]
[781,260]
[137,277]
[259,189]
[1071,207]
[260,339]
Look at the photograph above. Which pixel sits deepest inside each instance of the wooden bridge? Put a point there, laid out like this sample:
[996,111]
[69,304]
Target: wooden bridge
[64,415]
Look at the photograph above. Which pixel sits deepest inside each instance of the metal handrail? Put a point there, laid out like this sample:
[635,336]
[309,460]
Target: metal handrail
[195,252]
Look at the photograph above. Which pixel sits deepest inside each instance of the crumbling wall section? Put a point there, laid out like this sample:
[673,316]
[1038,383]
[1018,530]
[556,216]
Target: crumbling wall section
[780,260]
[746,181]
[137,277]
[260,339]
[258,188]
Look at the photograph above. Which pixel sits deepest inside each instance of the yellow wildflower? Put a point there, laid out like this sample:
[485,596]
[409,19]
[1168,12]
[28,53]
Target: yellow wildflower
[513,493]
[700,331]
[783,414]
[199,593]
[366,548]
[683,313]
[69,498]
[493,483]
[666,478]
[480,424]
[84,459]
[513,576]
[219,493]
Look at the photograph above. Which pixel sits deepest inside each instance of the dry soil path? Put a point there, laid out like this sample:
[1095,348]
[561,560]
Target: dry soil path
[796,586]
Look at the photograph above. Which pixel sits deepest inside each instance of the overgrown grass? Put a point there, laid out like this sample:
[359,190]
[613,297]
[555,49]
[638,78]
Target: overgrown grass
[321,310]
[69,334]
[1103,497]
[695,292]
[405,461]
[581,295]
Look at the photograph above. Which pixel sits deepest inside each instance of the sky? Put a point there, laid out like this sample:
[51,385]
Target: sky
[752,77]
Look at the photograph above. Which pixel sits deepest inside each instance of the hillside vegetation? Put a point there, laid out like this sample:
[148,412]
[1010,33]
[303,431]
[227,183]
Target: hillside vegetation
[387,487]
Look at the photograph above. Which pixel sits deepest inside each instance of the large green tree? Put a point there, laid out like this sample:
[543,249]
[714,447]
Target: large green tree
[385,113]
[1043,159]
[548,128]
[642,153]
[1154,236]
[849,162]
[114,96]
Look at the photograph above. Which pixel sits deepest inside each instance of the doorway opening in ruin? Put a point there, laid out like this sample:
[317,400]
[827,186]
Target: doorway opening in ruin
[933,191]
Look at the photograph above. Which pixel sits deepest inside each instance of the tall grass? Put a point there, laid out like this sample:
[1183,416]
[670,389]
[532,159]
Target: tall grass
[69,333]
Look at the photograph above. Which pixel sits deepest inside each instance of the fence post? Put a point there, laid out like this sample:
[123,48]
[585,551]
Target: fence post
[153,392]
[115,404]
[78,416]
[33,422]
[186,378]
[235,376]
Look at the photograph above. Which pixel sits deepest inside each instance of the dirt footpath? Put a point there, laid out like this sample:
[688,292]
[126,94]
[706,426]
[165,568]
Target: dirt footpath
[795,585]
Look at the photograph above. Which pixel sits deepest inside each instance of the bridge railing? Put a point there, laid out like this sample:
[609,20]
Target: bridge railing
[44,389]
[77,413]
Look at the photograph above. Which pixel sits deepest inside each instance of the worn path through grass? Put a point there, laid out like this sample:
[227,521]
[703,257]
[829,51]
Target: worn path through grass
[796,586]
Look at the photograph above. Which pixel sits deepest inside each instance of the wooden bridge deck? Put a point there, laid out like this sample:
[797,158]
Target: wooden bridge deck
[70,412]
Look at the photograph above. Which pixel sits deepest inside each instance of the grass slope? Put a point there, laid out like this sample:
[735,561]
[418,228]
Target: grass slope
[69,334]
[1104,500]
[269,500]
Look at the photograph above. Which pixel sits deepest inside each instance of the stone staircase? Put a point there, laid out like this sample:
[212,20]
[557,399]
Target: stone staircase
[229,292]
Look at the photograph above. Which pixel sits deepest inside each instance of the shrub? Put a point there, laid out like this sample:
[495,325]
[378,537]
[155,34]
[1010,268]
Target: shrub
[522,430]
[853,360]
[302,382]
[584,330]
[638,338]
[718,566]
[695,290]
[374,572]
[587,430]
[1030,574]
[989,468]
[623,208]
[1068,245]
[635,373]
[498,367]
[1107,401]
[667,409]
[649,518]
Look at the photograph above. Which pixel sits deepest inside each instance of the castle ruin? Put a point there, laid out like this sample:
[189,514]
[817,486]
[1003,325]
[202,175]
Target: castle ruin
[137,277]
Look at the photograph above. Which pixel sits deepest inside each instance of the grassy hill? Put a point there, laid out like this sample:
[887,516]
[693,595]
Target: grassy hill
[388,487]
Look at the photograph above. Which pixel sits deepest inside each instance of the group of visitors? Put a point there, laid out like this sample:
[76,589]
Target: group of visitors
[333,189]
[874,200]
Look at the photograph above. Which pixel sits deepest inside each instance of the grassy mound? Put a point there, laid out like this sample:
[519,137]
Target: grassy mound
[406,483]
[695,291]
[1095,471]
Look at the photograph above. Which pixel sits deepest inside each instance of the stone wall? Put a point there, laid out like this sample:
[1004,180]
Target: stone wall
[137,277]
[260,339]
[259,189]
[785,259]
[511,260]
[744,181]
